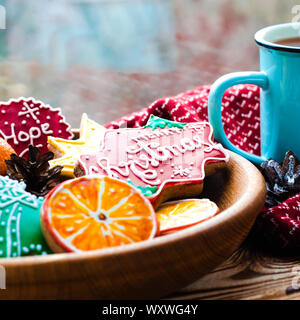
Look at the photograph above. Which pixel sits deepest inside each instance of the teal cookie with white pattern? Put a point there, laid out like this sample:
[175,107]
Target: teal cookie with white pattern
[20,228]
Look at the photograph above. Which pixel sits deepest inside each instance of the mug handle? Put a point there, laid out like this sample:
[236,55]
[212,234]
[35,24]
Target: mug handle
[214,106]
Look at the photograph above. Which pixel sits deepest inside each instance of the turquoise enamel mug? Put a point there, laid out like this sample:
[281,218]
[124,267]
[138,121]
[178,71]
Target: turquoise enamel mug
[279,80]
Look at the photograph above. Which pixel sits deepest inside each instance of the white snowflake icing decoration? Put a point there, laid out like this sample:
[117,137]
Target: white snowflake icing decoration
[183,172]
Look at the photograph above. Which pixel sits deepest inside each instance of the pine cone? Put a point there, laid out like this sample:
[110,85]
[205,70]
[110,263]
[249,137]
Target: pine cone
[35,171]
[282,179]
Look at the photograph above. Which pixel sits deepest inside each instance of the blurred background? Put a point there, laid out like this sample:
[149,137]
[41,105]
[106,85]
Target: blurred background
[112,57]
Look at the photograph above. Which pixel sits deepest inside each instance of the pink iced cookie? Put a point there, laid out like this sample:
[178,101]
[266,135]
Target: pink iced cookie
[26,121]
[164,159]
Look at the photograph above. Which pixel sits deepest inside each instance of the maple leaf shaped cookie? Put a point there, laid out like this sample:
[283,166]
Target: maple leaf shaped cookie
[164,159]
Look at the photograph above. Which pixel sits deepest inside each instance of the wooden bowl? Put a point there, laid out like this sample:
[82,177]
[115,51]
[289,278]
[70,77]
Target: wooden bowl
[149,269]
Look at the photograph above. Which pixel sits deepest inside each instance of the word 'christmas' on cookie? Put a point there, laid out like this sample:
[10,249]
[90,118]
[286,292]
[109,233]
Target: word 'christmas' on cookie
[91,213]
[164,159]
[20,228]
[26,121]
[67,152]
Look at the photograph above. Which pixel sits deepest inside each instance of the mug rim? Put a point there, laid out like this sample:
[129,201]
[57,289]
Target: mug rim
[263,36]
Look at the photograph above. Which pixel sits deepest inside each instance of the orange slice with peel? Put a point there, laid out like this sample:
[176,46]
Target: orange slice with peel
[5,152]
[91,212]
[176,215]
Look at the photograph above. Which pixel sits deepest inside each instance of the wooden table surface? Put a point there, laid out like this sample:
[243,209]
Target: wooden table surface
[249,274]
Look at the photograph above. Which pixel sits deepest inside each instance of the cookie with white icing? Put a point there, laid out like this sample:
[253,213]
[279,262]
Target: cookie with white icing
[164,159]
[20,228]
[26,121]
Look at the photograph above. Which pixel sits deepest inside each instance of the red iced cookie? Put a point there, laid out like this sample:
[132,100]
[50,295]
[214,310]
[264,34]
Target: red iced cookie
[26,121]
[161,155]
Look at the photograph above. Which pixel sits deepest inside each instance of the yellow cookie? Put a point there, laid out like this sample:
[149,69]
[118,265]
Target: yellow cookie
[67,152]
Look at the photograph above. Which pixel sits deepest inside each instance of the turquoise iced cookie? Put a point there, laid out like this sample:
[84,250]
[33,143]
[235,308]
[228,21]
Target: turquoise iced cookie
[20,229]
[155,122]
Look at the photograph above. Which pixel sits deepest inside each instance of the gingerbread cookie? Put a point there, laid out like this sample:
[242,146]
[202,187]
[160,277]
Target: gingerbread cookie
[20,229]
[90,213]
[164,159]
[180,214]
[67,152]
[27,121]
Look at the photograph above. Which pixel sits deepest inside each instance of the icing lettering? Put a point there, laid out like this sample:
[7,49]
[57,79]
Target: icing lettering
[153,157]
[28,121]
[157,134]
[45,128]
[147,175]
[33,134]
[152,154]
[12,136]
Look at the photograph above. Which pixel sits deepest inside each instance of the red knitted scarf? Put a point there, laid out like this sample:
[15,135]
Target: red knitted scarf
[279,225]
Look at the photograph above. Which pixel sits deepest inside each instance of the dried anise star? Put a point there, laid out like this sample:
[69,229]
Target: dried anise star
[35,171]
[282,179]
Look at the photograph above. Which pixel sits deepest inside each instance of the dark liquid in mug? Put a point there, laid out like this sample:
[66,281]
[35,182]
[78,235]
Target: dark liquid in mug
[292,42]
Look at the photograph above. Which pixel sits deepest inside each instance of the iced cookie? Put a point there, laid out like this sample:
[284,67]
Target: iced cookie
[26,121]
[176,215]
[67,152]
[90,213]
[20,229]
[5,151]
[164,159]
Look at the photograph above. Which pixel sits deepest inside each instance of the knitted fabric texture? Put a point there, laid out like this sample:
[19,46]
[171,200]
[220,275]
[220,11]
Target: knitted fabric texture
[277,226]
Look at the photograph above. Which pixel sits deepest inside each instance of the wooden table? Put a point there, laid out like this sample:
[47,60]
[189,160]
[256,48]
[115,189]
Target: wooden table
[249,274]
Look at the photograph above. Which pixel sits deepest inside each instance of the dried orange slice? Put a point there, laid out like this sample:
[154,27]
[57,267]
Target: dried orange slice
[90,213]
[175,215]
[5,152]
